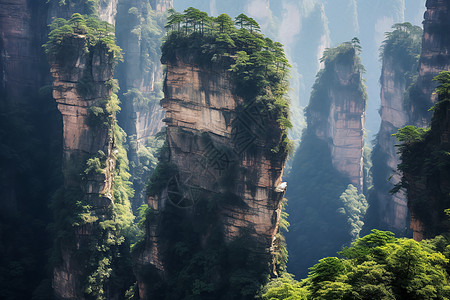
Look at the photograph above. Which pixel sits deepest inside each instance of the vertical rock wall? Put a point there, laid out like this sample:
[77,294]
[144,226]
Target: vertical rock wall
[223,152]
[400,53]
[201,102]
[392,209]
[343,125]
[435,57]
[105,9]
[82,140]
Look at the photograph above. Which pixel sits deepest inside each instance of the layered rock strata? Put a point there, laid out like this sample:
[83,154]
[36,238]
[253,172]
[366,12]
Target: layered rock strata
[392,209]
[223,152]
[342,126]
[435,57]
[400,61]
[82,139]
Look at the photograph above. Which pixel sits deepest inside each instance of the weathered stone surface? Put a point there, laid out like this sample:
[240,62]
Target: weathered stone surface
[22,26]
[142,121]
[81,140]
[199,101]
[106,9]
[209,139]
[435,57]
[343,127]
[392,210]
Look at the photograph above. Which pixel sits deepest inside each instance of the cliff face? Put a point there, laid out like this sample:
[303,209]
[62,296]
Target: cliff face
[106,9]
[23,30]
[81,141]
[326,181]
[141,73]
[425,168]
[199,101]
[392,209]
[434,58]
[30,139]
[223,154]
[342,127]
[399,59]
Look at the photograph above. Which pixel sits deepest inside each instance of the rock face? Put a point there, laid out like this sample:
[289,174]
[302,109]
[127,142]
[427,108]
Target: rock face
[140,78]
[400,62]
[198,102]
[393,211]
[326,179]
[106,9]
[342,126]
[23,30]
[223,153]
[82,140]
[141,73]
[435,57]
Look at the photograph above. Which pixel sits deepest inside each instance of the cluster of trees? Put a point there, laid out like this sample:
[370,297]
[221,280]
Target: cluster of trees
[404,44]
[345,54]
[95,32]
[376,266]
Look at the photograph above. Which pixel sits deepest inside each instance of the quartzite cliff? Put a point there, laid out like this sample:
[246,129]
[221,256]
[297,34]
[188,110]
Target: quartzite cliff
[327,178]
[219,185]
[435,57]
[400,53]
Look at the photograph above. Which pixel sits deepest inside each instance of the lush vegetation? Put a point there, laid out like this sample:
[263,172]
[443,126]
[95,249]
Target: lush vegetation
[345,55]
[259,65]
[402,46]
[425,156]
[376,266]
[325,211]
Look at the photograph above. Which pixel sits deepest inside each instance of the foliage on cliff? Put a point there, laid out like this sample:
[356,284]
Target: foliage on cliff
[402,47]
[94,32]
[326,211]
[107,220]
[425,156]
[346,55]
[139,35]
[200,261]
[376,266]
[399,52]
[259,65]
